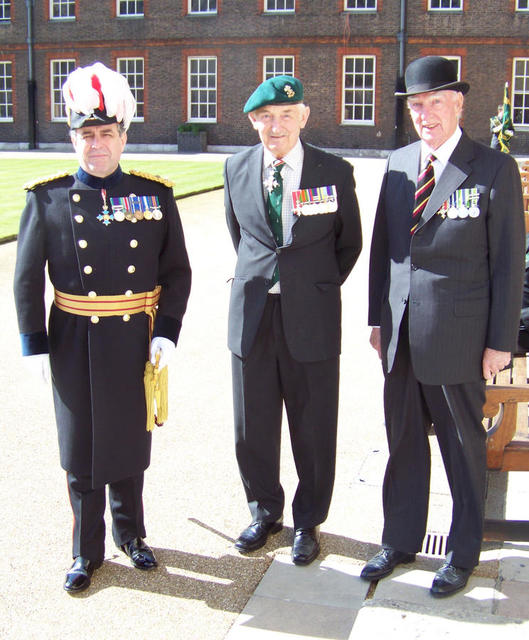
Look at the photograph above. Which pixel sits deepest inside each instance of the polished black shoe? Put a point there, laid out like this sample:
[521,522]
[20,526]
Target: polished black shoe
[306,545]
[449,579]
[79,574]
[383,563]
[141,556]
[255,536]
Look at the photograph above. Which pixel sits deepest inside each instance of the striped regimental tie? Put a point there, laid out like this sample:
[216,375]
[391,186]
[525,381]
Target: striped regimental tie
[425,185]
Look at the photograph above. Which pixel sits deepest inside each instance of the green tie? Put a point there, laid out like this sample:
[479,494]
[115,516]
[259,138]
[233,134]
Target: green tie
[274,202]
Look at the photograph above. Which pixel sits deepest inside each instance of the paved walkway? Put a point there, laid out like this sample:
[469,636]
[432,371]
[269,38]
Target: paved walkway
[195,507]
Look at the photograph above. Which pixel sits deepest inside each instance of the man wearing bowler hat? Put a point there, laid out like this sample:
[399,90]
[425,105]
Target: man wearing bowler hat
[445,286]
[293,217]
[114,248]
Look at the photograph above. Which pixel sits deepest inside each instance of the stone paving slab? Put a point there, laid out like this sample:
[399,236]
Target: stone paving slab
[375,622]
[411,587]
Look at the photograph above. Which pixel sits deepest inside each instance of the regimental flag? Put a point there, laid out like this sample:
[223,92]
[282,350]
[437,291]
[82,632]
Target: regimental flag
[507,127]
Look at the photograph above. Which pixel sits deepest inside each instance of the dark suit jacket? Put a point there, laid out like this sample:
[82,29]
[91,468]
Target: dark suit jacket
[323,251]
[460,278]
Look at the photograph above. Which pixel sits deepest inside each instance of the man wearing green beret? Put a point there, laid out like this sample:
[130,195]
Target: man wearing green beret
[293,217]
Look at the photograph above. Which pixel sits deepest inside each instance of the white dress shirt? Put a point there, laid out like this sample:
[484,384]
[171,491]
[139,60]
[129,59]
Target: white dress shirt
[442,154]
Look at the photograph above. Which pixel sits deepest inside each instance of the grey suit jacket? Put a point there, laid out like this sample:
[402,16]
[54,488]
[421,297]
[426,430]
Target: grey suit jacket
[461,279]
[323,251]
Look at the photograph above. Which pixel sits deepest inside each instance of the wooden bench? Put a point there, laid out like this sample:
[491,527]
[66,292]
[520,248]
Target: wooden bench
[506,412]
[506,420]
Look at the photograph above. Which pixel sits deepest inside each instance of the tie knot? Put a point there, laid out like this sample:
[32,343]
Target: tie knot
[278,165]
[430,159]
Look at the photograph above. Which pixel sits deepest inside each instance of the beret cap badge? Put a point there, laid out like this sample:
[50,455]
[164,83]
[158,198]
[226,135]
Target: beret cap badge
[289,91]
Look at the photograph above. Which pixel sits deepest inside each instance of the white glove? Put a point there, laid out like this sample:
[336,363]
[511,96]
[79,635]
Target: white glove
[166,348]
[39,366]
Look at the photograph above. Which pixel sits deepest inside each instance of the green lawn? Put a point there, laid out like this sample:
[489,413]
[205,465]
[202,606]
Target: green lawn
[189,177]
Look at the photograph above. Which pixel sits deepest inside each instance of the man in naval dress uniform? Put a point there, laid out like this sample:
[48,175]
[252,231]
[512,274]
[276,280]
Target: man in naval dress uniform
[115,251]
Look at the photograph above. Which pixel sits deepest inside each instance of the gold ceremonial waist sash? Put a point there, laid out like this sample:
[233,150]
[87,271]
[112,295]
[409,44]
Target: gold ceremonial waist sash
[122,305]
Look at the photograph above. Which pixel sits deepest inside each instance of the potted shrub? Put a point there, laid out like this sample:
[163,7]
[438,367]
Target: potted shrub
[191,138]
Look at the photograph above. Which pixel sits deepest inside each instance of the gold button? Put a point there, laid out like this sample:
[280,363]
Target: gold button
[128,292]
[133,243]
[83,244]
[126,317]
[76,197]
[88,269]
[92,294]
[94,319]
[131,268]
[79,219]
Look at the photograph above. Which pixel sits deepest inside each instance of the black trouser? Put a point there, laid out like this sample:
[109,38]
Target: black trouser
[456,412]
[264,380]
[88,506]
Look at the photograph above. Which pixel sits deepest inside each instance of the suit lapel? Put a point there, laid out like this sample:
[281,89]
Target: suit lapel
[309,172]
[410,168]
[455,173]
[255,177]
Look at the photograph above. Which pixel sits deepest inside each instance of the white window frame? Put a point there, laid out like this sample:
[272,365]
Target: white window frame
[130,15]
[275,60]
[191,89]
[516,89]
[66,4]
[202,12]
[366,122]
[6,94]
[268,8]
[56,91]
[5,10]
[133,76]
[456,9]
[357,8]
[456,59]
[522,9]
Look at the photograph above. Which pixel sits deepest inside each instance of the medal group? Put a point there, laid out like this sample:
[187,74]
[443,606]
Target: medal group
[463,203]
[131,208]
[314,201]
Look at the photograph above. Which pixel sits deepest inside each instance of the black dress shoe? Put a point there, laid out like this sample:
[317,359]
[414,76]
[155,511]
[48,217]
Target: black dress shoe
[78,576]
[383,563]
[306,545]
[141,556]
[449,579]
[255,536]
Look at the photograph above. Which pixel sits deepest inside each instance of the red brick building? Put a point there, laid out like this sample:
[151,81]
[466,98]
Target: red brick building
[196,61]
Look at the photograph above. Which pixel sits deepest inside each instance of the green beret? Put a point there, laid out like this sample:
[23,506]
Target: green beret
[277,90]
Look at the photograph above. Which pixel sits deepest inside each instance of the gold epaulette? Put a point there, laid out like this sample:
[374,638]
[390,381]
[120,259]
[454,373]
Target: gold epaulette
[150,176]
[31,185]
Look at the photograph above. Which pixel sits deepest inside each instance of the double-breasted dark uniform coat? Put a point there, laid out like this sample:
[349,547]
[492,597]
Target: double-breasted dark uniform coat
[97,363]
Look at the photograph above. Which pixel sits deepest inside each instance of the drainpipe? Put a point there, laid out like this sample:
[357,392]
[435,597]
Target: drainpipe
[32,85]
[402,37]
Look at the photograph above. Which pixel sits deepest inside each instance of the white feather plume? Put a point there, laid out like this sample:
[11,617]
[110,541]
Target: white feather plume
[80,95]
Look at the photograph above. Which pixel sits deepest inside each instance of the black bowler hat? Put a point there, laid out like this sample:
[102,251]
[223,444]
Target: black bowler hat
[431,73]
